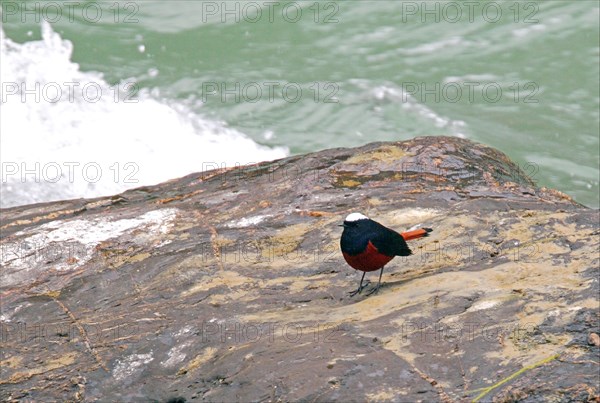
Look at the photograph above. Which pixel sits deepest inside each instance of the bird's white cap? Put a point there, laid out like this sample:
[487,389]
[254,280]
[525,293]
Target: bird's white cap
[355,217]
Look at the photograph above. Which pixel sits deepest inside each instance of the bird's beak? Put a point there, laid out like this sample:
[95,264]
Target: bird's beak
[342,225]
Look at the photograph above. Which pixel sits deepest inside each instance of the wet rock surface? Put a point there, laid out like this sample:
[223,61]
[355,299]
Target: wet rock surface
[228,285]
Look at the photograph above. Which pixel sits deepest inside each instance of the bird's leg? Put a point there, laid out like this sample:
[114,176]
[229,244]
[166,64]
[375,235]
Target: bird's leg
[374,290]
[360,287]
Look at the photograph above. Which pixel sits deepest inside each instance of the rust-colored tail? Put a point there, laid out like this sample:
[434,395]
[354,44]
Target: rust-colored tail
[418,233]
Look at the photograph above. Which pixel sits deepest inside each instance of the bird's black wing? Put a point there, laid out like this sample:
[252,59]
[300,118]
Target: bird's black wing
[388,241]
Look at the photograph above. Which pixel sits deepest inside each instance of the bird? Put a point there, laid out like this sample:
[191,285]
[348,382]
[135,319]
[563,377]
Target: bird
[368,246]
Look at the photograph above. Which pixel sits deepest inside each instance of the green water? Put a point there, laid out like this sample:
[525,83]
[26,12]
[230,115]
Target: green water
[520,76]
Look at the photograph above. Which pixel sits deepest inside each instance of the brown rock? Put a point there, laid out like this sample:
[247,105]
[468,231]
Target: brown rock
[229,285]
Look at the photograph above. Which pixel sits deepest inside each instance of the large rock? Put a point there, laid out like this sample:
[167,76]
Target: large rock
[229,285]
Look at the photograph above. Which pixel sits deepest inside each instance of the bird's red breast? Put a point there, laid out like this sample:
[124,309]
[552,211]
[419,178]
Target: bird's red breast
[369,260]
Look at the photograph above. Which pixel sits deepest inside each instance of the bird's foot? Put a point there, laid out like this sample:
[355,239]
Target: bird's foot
[359,289]
[374,290]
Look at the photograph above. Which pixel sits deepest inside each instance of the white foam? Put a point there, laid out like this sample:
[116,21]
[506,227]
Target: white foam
[126,142]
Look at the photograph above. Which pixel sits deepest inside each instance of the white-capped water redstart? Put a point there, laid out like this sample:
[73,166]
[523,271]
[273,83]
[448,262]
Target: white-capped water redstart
[369,246]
